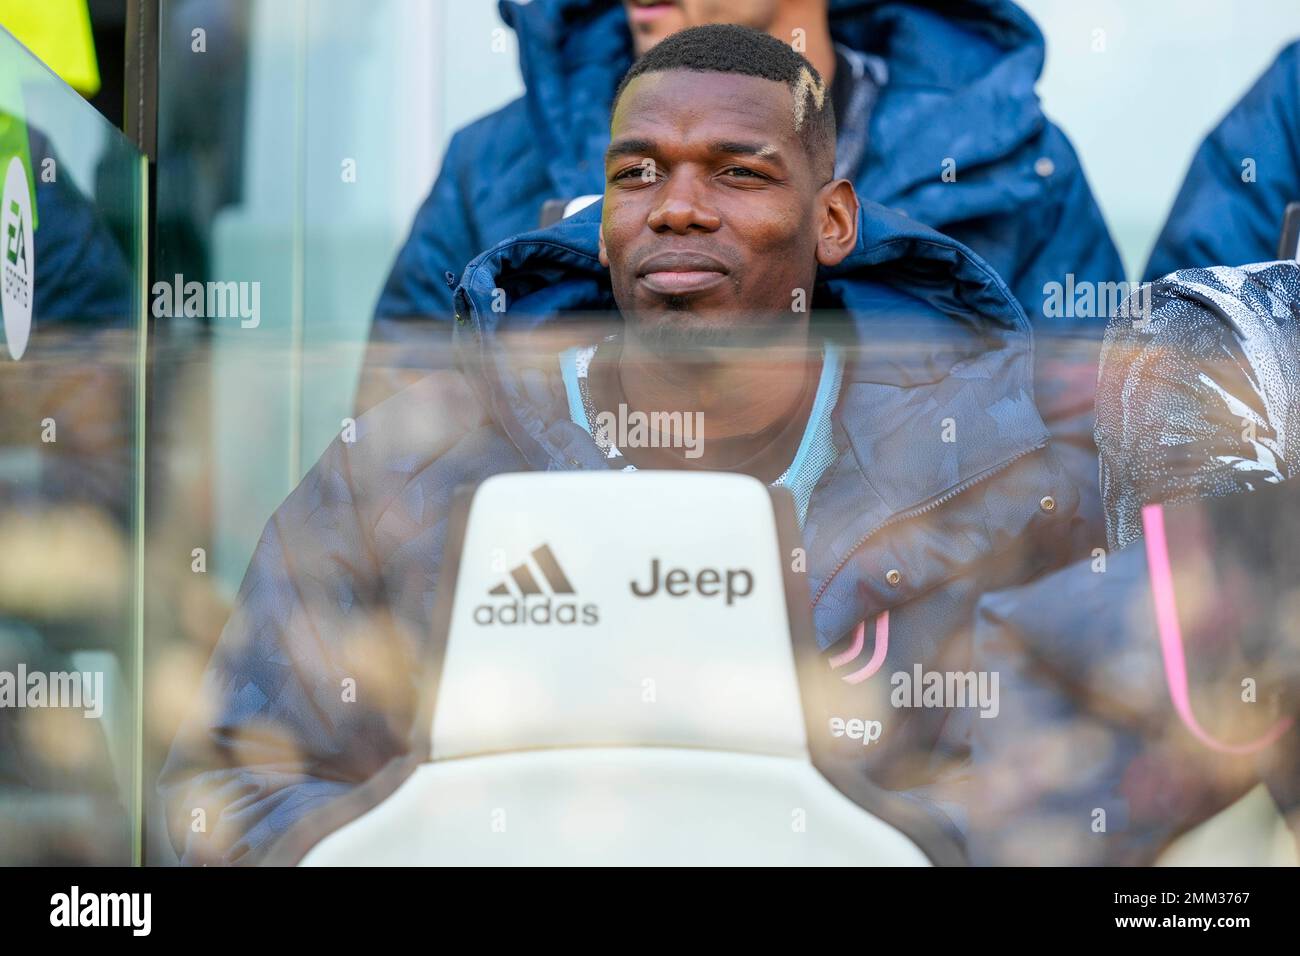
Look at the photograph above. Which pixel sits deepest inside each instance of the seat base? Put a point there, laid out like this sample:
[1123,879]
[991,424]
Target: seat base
[617,806]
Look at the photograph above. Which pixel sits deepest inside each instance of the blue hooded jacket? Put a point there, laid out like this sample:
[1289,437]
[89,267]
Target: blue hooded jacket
[959,86]
[1230,208]
[345,573]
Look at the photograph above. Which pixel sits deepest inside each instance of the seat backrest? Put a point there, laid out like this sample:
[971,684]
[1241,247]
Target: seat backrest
[601,610]
[620,663]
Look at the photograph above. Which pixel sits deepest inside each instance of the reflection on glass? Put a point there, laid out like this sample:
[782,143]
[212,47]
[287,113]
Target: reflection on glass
[69,377]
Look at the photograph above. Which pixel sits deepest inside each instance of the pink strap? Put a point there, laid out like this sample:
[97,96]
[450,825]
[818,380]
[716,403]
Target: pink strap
[877,653]
[1171,639]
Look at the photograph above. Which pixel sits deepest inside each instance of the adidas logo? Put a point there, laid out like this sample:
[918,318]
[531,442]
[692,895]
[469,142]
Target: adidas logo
[527,583]
[531,603]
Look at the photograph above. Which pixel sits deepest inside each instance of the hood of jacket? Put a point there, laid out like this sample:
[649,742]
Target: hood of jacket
[933,335]
[973,102]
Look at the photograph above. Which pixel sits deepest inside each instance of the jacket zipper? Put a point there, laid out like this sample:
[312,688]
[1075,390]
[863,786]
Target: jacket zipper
[922,509]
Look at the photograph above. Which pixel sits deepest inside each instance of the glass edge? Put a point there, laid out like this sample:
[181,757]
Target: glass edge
[76,98]
[138,522]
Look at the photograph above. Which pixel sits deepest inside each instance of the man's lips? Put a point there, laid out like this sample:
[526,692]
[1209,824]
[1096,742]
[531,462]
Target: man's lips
[681,283]
[681,273]
[649,12]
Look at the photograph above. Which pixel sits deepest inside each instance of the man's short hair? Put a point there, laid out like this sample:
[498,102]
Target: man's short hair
[727,48]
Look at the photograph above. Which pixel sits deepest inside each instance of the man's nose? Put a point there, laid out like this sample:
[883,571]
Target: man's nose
[682,206]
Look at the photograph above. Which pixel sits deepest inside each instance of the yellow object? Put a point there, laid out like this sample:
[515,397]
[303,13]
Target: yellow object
[58,33]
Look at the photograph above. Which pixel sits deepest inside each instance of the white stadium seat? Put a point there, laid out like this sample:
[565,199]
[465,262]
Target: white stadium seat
[621,677]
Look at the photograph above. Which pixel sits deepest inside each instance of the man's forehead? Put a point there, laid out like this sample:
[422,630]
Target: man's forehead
[707,107]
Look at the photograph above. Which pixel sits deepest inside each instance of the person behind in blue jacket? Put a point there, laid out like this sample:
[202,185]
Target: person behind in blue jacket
[937,116]
[902,423]
[1229,210]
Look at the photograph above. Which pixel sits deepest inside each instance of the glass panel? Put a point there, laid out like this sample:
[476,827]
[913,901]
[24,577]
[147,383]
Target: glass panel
[71,400]
[297,142]
[287,167]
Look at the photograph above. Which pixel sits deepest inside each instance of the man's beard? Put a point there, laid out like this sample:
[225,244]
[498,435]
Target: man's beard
[688,334]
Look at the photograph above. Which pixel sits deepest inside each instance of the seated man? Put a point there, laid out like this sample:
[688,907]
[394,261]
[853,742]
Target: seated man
[1151,686]
[1211,387]
[903,425]
[936,116]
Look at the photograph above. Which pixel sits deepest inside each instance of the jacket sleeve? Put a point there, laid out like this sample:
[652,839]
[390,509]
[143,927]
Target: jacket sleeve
[1185,407]
[286,719]
[1229,210]
[413,323]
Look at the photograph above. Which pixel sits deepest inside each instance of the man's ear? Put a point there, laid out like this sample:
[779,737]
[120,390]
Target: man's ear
[604,257]
[839,222]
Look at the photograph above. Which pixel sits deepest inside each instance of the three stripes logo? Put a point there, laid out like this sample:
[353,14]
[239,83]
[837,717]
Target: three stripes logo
[537,591]
[527,583]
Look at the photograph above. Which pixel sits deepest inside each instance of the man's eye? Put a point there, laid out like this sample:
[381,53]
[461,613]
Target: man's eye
[740,172]
[640,172]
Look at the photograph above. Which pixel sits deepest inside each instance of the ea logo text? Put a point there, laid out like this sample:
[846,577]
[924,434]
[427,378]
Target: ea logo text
[708,582]
[855,729]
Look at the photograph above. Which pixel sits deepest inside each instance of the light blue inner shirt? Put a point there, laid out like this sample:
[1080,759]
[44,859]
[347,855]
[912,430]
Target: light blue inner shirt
[816,450]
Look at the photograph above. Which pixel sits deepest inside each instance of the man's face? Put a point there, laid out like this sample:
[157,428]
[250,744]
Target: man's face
[652,20]
[713,210]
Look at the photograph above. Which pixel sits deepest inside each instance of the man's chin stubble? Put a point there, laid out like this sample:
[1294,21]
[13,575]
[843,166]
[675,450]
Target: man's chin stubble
[682,333]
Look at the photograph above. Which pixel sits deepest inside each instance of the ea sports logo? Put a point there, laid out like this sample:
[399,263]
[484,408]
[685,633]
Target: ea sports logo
[534,601]
[17,266]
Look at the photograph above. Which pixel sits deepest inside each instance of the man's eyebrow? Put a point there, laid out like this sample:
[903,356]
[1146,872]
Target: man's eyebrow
[628,147]
[736,148]
[644,147]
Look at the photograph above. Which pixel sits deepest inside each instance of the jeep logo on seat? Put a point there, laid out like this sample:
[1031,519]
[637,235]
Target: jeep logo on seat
[708,582]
